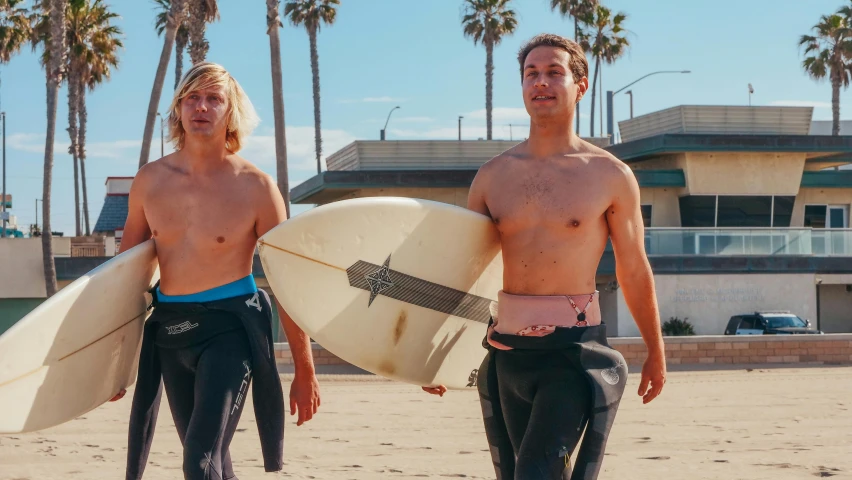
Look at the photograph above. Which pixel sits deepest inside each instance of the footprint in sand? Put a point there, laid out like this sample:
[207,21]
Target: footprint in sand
[98,457]
[454,475]
[241,429]
[464,453]
[393,470]
[386,444]
[721,461]
[655,458]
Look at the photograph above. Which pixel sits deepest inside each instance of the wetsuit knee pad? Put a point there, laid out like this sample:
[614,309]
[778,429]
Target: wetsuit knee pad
[198,463]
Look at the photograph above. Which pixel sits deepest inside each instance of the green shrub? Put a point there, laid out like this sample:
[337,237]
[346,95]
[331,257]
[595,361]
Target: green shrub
[676,327]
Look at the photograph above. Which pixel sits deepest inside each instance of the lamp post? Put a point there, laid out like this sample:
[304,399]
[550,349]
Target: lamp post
[36,210]
[3,118]
[460,119]
[610,94]
[386,122]
[630,92]
[162,152]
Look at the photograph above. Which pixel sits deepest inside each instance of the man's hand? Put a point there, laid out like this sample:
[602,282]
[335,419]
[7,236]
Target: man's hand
[653,376]
[118,396]
[440,390]
[304,396]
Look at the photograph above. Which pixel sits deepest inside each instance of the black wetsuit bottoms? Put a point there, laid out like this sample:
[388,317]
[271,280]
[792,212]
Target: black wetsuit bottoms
[206,364]
[541,398]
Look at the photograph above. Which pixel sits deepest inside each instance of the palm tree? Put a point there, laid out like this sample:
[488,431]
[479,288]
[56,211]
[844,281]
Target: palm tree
[488,21]
[92,45]
[831,50]
[273,23]
[181,37]
[15,28]
[174,20]
[54,73]
[94,53]
[312,14]
[201,12]
[579,10]
[608,43]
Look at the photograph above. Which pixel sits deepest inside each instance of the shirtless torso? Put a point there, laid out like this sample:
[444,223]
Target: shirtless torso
[205,224]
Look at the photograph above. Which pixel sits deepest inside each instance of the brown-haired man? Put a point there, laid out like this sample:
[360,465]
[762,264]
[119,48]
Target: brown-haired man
[555,200]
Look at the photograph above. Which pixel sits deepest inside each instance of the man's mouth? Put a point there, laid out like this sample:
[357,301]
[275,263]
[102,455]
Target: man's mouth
[541,98]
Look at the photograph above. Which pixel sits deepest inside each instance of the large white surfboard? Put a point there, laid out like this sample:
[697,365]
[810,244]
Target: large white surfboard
[397,286]
[79,348]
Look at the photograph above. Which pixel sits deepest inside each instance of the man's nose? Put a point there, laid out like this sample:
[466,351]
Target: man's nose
[540,82]
[201,106]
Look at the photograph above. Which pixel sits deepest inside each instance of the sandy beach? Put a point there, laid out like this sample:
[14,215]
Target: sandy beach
[784,423]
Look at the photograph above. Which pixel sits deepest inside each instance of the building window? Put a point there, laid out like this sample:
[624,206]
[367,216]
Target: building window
[698,211]
[736,211]
[744,211]
[646,215]
[815,216]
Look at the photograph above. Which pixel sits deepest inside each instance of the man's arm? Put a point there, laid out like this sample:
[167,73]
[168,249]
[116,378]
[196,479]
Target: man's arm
[304,392]
[136,228]
[633,271]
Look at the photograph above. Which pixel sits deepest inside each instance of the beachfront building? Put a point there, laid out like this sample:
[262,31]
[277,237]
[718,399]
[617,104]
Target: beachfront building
[745,208]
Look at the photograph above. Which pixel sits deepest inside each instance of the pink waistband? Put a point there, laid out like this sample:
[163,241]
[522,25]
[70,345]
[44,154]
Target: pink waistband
[516,313]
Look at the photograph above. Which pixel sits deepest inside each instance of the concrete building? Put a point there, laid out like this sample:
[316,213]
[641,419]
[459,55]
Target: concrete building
[742,207]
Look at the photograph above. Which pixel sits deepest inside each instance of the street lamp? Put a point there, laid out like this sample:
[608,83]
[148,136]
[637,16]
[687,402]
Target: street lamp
[3,118]
[610,94]
[162,152]
[386,122]
[36,210]
[460,119]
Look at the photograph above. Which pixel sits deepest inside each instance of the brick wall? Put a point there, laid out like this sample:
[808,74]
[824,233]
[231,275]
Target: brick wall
[723,350]
[744,349]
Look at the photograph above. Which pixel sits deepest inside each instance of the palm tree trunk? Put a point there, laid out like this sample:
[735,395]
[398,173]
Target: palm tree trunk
[81,144]
[489,78]
[180,46]
[312,36]
[72,133]
[577,39]
[175,18]
[56,23]
[594,92]
[198,45]
[835,106]
[273,23]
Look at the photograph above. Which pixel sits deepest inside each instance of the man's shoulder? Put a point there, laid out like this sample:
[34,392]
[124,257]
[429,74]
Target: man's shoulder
[151,171]
[605,161]
[250,172]
[503,158]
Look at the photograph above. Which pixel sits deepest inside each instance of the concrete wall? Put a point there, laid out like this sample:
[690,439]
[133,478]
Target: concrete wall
[818,196]
[744,173]
[665,211]
[453,196]
[835,309]
[709,301]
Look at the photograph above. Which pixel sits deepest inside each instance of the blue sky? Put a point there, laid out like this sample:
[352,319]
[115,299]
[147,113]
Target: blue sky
[411,53]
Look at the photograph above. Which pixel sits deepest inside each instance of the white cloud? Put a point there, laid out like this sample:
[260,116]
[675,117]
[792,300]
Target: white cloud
[800,103]
[260,149]
[118,149]
[500,114]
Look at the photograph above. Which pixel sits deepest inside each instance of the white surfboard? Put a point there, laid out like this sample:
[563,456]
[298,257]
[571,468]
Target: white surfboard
[396,286]
[79,348]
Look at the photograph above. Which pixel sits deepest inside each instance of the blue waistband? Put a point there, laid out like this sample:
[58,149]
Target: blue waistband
[243,286]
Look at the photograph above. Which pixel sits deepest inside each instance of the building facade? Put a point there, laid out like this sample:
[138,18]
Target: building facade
[744,208]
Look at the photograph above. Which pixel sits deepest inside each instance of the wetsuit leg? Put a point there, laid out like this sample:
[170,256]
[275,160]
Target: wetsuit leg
[545,403]
[502,453]
[206,385]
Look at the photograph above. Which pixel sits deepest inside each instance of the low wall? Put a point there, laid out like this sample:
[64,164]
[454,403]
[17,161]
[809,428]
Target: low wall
[698,350]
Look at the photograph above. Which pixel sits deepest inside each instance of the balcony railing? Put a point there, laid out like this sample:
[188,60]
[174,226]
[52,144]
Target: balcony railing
[748,241]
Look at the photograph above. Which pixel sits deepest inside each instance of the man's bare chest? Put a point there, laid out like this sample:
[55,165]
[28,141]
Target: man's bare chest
[551,200]
[216,214]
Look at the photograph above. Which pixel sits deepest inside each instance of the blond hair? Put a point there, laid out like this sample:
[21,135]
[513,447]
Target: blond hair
[241,115]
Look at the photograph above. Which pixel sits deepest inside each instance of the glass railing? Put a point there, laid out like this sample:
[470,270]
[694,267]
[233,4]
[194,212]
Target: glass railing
[747,241]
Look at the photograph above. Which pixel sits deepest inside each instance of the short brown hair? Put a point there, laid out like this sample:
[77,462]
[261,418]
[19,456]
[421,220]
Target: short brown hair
[577,62]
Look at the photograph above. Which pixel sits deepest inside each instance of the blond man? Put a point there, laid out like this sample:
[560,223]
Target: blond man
[209,336]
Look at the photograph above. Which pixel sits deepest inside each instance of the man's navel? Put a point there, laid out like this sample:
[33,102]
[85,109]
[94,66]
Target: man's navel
[220,239]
